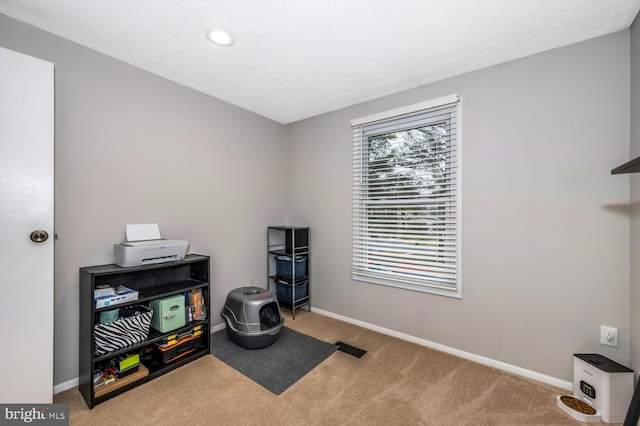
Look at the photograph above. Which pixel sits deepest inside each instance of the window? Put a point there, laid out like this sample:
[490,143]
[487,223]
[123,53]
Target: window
[406,198]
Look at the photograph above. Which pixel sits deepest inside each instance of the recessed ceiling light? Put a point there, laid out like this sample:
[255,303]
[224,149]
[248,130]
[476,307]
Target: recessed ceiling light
[221,37]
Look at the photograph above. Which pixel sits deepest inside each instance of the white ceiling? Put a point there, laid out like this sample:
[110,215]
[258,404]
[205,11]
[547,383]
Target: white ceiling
[294,59]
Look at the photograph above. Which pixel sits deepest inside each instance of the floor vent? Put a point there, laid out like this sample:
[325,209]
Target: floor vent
[351,350]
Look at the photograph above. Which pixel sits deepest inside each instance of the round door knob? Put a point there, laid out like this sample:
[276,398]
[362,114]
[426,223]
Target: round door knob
[39,236]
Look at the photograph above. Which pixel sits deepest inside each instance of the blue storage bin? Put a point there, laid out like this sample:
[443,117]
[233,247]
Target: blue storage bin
[284,267]
[284,291]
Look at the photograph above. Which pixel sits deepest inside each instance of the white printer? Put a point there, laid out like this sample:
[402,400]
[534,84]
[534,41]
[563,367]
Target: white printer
[144,246]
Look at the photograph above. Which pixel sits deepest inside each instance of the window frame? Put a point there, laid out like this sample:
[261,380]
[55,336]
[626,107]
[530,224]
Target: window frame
[451,101]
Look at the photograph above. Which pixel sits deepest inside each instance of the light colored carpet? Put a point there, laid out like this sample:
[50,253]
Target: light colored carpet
[395,383]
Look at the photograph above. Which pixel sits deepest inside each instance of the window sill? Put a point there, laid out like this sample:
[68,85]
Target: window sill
[439,291]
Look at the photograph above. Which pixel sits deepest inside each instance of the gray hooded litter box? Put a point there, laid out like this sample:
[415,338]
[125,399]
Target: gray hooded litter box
[253,317]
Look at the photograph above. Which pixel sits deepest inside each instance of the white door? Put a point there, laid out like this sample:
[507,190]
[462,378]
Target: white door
[26,205]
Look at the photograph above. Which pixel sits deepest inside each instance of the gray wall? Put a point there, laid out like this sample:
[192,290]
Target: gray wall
[635,196]
[545,227]
[131,147]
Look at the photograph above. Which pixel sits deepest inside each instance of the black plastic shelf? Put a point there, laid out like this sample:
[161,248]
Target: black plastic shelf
[632,166]
[152,282]
[303,301]
[154,336]
[154,371]
[290,280]
[149,293]
[290,241]
[302,251]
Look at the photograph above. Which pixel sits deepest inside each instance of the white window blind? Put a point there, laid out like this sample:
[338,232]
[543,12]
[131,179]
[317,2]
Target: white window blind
[406,205]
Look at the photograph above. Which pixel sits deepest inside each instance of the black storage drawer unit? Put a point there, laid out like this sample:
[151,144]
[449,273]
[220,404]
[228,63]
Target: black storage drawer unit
[288,259]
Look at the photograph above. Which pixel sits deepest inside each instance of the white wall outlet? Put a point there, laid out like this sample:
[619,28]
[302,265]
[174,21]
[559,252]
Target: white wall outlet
[250,279]
[609,336]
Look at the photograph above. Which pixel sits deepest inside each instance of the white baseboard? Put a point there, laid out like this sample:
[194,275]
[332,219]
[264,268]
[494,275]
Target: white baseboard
[453,351]
[217,327]
[69,384]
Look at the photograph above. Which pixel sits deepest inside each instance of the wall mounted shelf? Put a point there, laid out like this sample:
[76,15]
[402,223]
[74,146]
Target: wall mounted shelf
[632,166]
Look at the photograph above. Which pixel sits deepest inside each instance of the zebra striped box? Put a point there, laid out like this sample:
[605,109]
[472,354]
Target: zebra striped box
[132,327]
